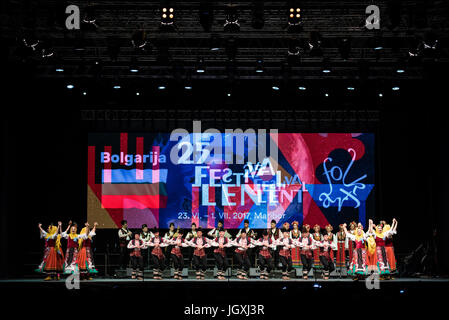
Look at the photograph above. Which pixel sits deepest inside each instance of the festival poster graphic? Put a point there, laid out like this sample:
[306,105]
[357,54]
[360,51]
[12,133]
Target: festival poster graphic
[156,179]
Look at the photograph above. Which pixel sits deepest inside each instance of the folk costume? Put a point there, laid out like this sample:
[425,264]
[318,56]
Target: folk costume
[342,247]
[220,244]
[136,246]
[71,254]
[53,259]
[265,257]
[305,243]
[317,236]
[85,261]
[285,257]
[199,256]
[295,234]
[176,255]
[241,255]
[124,236]
[157,255]
[389,249]
[326,248]
[358,266]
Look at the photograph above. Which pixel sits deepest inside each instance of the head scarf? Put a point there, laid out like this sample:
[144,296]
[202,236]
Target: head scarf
[371,245]
[83,231]
[53,230]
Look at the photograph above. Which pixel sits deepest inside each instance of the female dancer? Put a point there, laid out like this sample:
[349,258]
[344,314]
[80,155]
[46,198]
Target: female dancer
[71,255]
[243,243]
[53,260]
[317,236]
[382,261]
[305,242]
[85,256]
[199,254]
[294,235]
[351,244]
[389,245]
[357,267]
[265,257]
[221,243]
[176,254]
[342,246]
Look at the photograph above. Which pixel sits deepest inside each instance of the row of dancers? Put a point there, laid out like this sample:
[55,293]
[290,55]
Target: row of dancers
[78,257]
[368,251]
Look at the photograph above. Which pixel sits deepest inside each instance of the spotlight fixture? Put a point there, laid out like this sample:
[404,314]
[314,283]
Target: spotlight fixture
[162,87]
[167,19]
[259,66]
[167,16]
[302,88]
[70,86]
[294,16]
[89,22]
[350,88]
[232,19]
[275,88]
[314,44]
[200,67]
[395,88]
[59,69]
[188,87]
[133,67]
[215,43]
[139,41]
[116,86]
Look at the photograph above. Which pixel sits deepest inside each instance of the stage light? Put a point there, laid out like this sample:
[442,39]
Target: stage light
[70,86]
[314,44]
[231,19]
[326,70]
[275,88]
[302,88]
[161,87]
[139,41]
[59,69]
[133,66]
[116,86]
[294,19]
[381,95]
[89,19]
[229,94]
[395,88]
[167,16]
[200,68]
[316,285]
[259,66]
[84,93]
[137,93]
[215,43]
[188,87]
[400,70]
[326,94]
[350,88]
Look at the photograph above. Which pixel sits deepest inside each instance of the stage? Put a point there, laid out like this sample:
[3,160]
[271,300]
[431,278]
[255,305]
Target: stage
[174,297]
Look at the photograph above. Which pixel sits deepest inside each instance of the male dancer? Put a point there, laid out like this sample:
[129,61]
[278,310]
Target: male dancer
[243,243]
[199,254]
[136,245]
[157,255]
[124,236]
[265,257]
[221,243]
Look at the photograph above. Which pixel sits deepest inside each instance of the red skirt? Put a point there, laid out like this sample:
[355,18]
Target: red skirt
[296,258]
[85,260]
[53,260]
[391,258]
[316,258]
[341,259]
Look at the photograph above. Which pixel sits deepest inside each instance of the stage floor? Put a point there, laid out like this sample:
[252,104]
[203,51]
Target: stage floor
[207,280]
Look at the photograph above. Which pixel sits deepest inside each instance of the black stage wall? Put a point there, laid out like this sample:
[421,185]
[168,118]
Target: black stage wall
[44,160]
